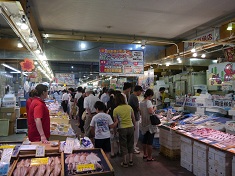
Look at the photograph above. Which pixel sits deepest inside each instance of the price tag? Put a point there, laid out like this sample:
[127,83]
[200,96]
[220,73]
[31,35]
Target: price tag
[7,146]
[40,151]
[39,161]
[69,145]
[6,155]
[85,167]
[4,168]
[16,151]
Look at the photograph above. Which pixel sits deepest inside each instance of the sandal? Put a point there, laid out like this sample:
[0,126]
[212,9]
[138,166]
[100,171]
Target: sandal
[152,159]
[131,163]
[124,164]
[145,157]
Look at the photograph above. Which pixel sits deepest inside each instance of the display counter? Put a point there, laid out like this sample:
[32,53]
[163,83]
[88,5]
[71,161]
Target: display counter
[82,160]
[202,151]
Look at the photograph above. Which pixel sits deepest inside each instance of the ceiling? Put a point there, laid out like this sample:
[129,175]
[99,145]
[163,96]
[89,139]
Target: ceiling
[120,24]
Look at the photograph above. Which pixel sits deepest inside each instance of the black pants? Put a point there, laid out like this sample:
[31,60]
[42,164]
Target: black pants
[64,104]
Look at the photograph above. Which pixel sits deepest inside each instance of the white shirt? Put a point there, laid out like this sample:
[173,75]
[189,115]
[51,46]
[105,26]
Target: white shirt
[78,95]
[104,97]
[101,122]
[65,96]
[90,101]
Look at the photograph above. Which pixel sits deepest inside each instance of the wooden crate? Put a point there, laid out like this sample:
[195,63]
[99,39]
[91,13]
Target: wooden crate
[10,173]
[173,154]
[108,169]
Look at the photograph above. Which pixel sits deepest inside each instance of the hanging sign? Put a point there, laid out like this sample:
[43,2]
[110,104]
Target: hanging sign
[207,37]
[27,65]
[65,78]
[121,62]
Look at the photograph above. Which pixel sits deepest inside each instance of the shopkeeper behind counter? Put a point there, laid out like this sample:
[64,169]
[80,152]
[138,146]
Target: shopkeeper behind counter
[39,119]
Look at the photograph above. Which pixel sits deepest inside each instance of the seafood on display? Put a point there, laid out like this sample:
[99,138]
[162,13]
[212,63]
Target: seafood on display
[72,160]
[52,168]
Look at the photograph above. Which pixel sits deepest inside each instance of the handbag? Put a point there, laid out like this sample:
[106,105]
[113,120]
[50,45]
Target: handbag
[154,120]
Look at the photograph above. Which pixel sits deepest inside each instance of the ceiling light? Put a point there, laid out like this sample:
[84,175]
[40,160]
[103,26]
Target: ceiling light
[230,26]
[19,45]
[137,46]
[83,45]
[143,42]
[35,63]
[193,50]
[194,54]
[31,40]
[167,64]
[180,61]
[46,35]
[37,51]
[130,48]
[203,56]
[71,66]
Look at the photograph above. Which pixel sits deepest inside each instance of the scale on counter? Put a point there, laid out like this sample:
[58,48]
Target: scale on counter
[21,125]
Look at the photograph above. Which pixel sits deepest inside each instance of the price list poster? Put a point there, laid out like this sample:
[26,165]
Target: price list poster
[121,62]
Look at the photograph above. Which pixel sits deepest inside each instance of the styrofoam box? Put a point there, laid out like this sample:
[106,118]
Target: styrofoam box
[201,164]
[186,140]
[220,168]
[188,157]
[199,172]
[186,165]
[200,153]
[186,148]
[231,112]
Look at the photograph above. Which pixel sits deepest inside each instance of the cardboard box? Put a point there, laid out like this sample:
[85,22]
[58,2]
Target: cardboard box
[7,109]
[8,115]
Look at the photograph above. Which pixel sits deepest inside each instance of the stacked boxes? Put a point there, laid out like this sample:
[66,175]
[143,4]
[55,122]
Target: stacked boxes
[220,163]
[186,160]
[169,143]
[8,113]
[233,166]
[200,156]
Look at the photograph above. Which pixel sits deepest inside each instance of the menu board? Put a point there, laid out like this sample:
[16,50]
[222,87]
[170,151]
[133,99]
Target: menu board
[65,78]
[121,62]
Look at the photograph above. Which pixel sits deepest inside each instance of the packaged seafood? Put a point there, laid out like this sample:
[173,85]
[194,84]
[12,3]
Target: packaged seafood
[87,161]
[31,166]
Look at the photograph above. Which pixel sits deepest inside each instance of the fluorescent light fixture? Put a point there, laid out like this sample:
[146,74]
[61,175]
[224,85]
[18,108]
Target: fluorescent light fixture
[31,40]
[137,46]
[8,66]
[37,51]
[193,50]
[230,26]
[24,26]
[194,54]
[19,45]
[203,56]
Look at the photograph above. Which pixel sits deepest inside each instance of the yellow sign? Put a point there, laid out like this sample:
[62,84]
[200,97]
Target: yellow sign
[39,161]
[7,146]
[85,167]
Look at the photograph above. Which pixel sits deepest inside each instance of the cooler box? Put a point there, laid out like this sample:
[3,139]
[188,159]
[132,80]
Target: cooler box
[9,100]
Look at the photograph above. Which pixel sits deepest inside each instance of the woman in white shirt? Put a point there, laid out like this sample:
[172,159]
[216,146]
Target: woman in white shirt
[148,130]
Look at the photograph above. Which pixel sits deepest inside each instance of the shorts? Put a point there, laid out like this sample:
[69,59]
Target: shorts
[104,144]
[148,138]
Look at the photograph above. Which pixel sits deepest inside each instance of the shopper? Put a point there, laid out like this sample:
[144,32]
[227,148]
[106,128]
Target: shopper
[100,125]
[81,109]
[114,138]
[126,91]
[105,97]
[65,100]
[125,115]
[39,120]
[134,103]
[148,130]
[161,95]
[89,103]
[199,91]
[32,94]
